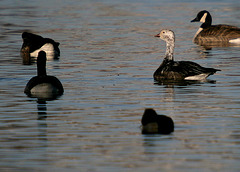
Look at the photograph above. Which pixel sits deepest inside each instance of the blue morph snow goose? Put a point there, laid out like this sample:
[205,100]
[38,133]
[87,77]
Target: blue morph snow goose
[178,70]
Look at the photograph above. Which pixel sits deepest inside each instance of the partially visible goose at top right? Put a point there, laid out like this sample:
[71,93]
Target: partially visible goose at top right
[208,33]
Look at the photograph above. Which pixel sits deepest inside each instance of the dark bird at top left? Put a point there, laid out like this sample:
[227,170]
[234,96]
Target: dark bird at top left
[33,44]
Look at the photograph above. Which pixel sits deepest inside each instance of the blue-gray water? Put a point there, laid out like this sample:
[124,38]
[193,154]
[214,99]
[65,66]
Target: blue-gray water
[108,56]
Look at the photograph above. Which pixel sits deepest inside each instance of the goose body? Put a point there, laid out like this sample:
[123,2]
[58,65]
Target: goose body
[154,123]
[208,33]
[33,44]
[43,85]
[178,70]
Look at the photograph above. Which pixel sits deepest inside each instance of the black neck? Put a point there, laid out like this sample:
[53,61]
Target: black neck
[206,24]
[41,70]
[41,66]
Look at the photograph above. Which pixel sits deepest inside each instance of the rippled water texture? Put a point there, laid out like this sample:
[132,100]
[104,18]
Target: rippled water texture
[108,56]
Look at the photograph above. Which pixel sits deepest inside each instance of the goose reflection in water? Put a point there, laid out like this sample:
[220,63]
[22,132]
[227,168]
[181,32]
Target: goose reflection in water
[172,83]
[210,46]
[42,109]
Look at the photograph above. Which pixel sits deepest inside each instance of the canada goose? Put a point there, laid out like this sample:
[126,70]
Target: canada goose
[33,44]
[154,123]
[178,70]
[214,33]
[43,85]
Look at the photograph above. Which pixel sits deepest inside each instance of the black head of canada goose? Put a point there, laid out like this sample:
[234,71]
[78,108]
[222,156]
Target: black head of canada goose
[43,85]
[33,44]
[154,123]
[214,33]
[178,70]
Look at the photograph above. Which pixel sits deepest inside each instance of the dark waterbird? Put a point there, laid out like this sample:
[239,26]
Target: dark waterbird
[43,85]
[154,123]
[33,44]
[178,70]
[208,33]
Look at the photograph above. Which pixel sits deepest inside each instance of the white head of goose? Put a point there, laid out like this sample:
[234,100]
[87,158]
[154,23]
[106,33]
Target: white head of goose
[43,85]
[178,70]
[208,33]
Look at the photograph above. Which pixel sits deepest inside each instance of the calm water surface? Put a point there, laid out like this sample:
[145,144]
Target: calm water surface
[108,56]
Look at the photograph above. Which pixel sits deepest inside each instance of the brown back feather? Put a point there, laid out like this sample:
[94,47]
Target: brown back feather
[216,33]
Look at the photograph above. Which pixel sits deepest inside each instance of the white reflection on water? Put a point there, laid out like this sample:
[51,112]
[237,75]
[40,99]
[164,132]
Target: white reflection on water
[108,56]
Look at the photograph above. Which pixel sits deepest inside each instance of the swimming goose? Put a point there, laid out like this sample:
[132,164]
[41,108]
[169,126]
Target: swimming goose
[33,44]
[43,85]
[154,123]
[214,33]
[178,70]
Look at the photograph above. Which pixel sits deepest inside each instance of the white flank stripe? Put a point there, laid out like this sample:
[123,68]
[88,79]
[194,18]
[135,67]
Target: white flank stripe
[197,77]
[235,41]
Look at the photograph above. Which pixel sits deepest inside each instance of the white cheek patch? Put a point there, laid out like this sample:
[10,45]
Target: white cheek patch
[203,19]
[48,48]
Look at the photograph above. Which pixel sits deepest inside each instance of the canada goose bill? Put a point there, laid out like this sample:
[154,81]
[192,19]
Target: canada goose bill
[178,70]
[208,33]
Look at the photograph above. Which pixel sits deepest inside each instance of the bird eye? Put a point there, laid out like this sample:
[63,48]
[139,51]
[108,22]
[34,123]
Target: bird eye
[163,32]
